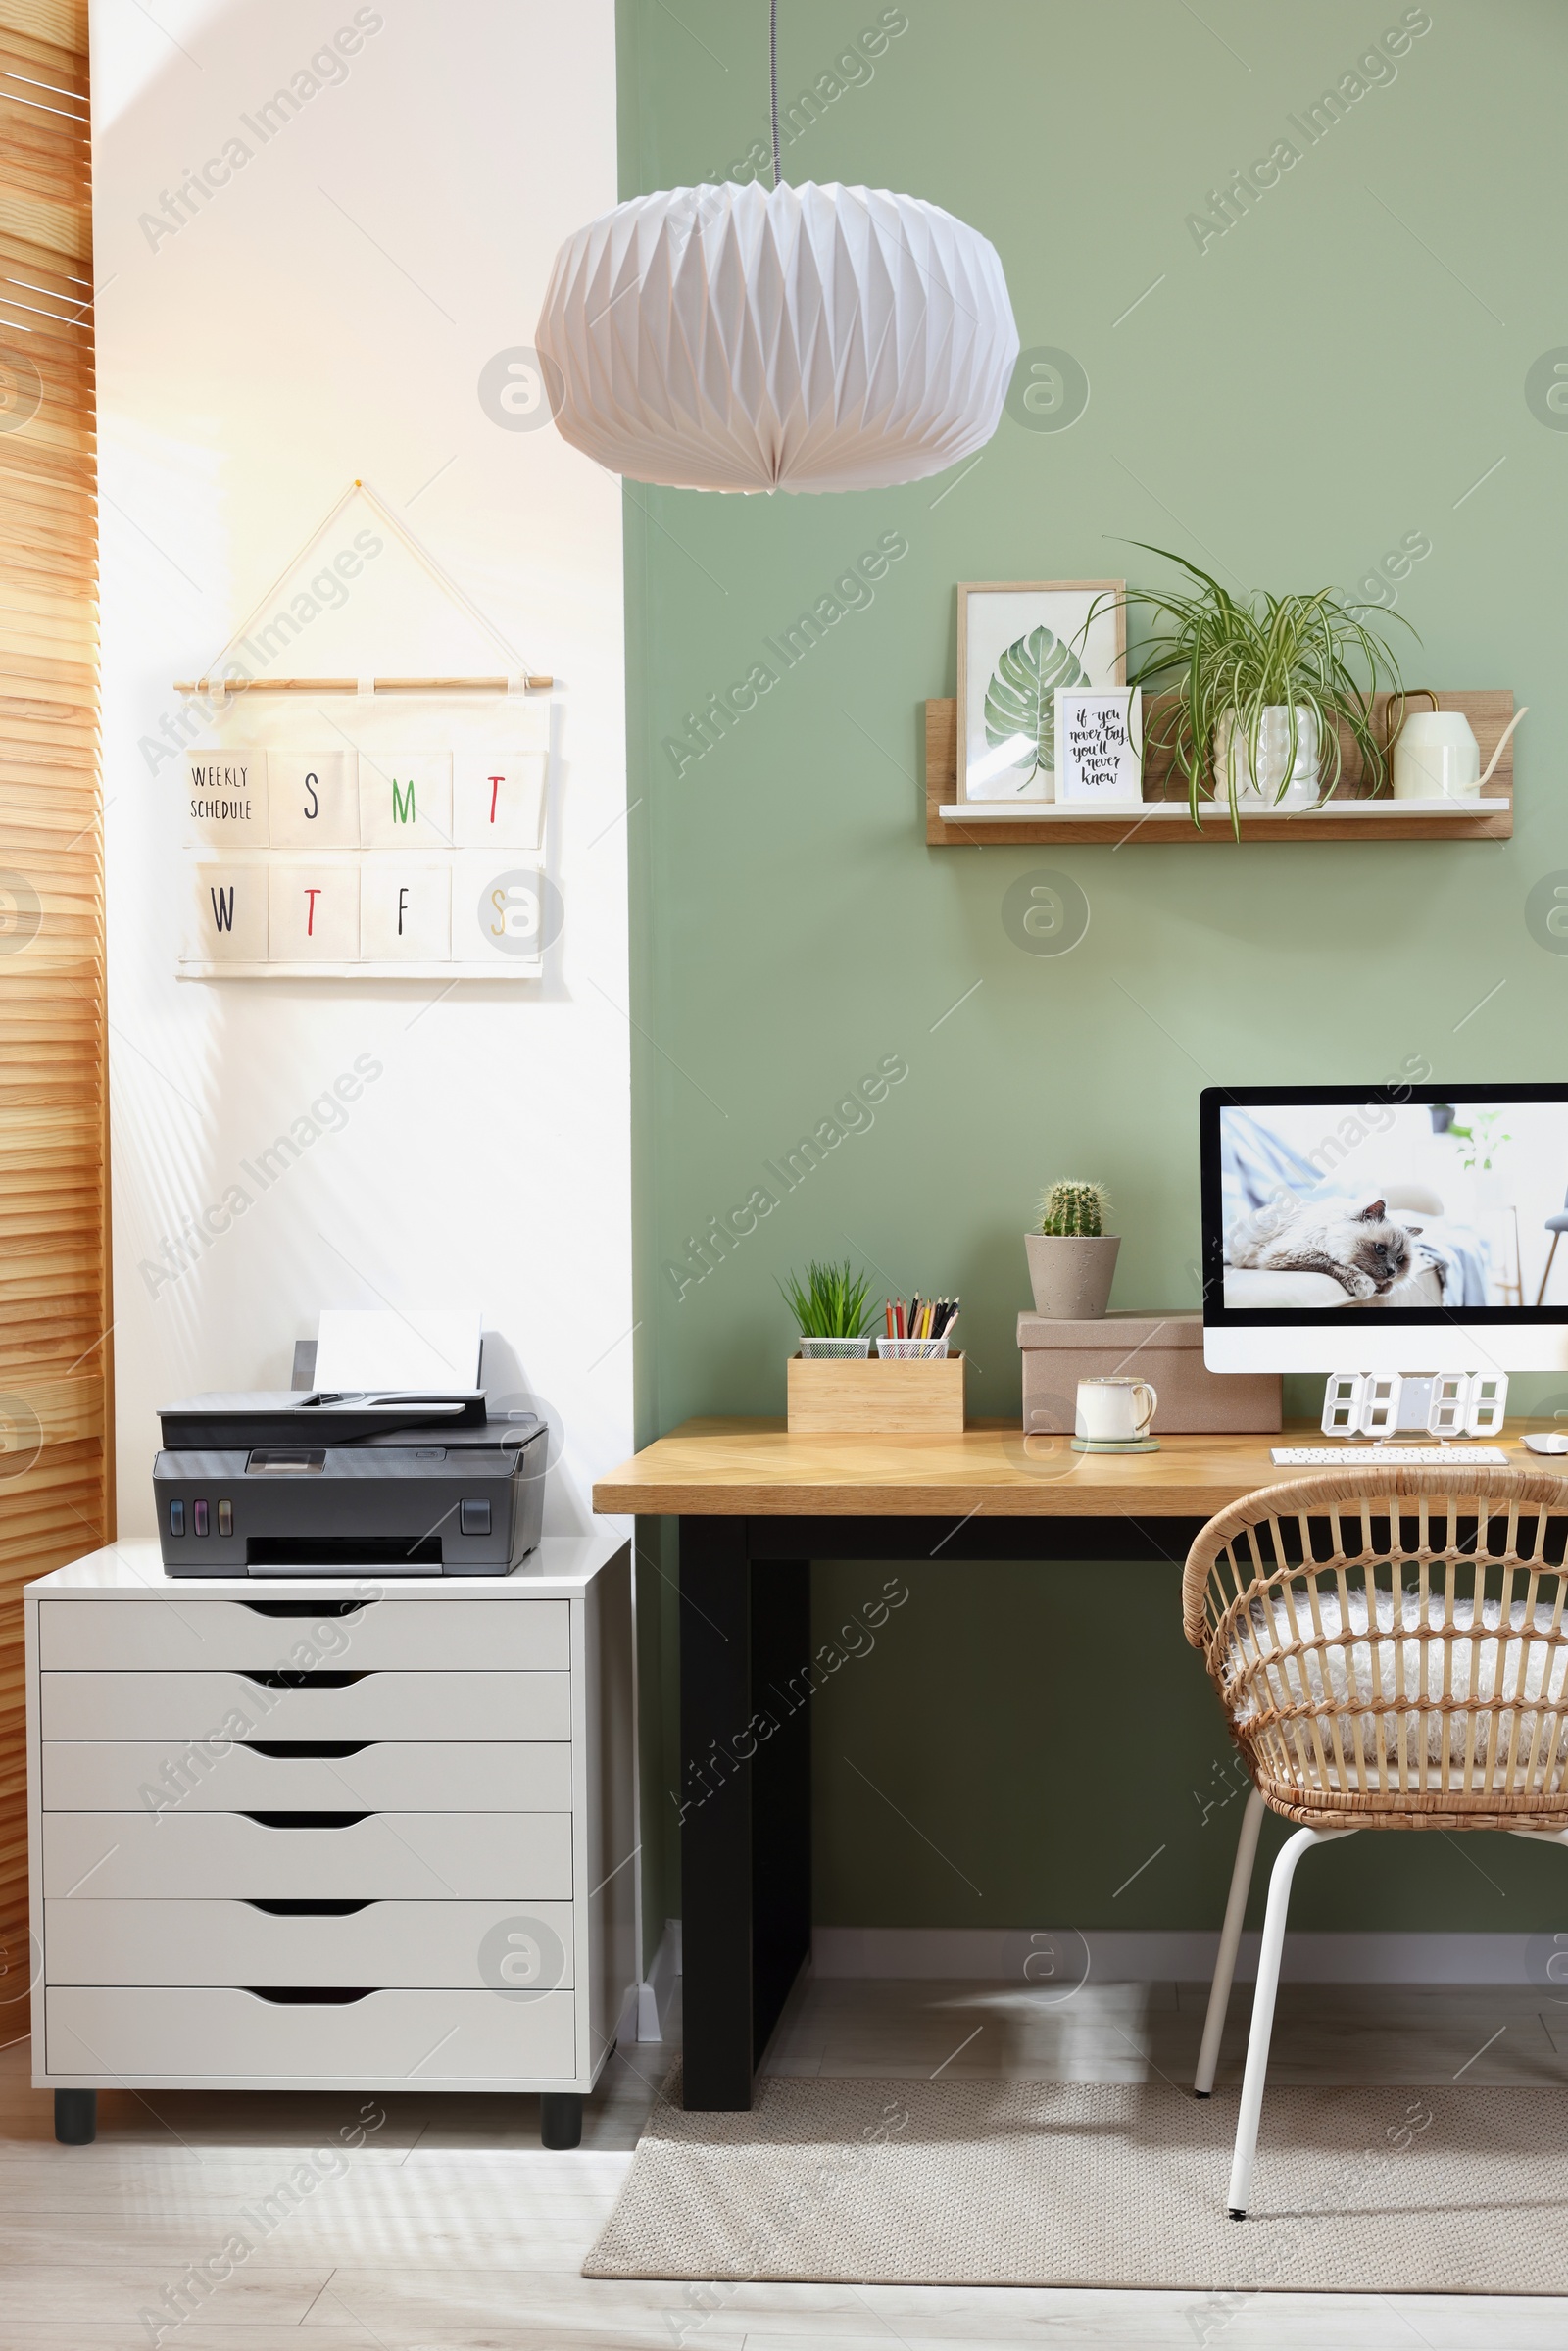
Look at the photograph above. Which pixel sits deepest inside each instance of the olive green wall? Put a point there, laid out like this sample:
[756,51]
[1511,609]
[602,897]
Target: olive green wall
[1337,378]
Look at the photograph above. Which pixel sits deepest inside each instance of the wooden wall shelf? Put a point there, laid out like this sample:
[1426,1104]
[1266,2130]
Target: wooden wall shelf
[1162,815]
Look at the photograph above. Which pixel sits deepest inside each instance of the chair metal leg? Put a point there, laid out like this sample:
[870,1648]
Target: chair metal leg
[1547,1276]
[1268,1978]
[1229,1937]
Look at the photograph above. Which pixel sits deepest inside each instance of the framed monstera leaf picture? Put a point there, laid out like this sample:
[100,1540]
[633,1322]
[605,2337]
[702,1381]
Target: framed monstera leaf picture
[1018,640]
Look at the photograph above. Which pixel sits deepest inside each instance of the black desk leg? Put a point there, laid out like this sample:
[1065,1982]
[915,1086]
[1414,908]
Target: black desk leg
[781,1787]
[716,1815]
[745,1793]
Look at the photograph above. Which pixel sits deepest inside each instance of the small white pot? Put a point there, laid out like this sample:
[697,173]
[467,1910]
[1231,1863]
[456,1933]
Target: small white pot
[1071,1273]
[1260,787]
[838,1350]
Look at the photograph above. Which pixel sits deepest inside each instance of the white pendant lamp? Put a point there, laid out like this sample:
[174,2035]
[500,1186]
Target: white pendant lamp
[792,338]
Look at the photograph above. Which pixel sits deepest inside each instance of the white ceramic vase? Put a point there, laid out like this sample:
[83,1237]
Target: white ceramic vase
[1071,1273]
[1259,787]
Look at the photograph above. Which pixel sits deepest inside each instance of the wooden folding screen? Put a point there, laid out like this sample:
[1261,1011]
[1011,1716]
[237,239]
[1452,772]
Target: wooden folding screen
[55,1462]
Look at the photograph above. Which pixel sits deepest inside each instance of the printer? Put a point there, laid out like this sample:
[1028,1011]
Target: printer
[303,1482]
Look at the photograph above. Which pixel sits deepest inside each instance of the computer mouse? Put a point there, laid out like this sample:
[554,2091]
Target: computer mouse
[1547,1440]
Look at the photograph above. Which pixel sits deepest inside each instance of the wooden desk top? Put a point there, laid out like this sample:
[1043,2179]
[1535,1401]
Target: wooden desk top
[754,1469]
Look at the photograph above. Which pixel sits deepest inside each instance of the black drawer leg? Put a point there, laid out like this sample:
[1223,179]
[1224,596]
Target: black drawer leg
[560,2119]
[76,2116]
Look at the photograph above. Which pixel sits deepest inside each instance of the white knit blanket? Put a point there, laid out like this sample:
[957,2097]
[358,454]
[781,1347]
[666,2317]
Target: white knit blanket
[1376,1676]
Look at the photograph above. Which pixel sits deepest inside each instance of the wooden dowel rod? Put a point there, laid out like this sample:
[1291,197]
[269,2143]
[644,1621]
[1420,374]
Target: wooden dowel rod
[456,685]
[351,685]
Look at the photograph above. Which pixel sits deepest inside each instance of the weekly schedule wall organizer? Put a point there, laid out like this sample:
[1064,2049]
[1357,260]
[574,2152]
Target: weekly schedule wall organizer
[363,842]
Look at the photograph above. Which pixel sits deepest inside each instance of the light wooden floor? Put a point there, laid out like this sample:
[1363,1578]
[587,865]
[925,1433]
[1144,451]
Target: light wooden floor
[450,2230]
[1323,2032]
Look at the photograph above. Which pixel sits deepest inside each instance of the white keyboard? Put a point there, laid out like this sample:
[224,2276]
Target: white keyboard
[1389,1456]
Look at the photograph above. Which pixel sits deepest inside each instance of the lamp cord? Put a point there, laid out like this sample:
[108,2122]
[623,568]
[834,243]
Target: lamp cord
[773,73]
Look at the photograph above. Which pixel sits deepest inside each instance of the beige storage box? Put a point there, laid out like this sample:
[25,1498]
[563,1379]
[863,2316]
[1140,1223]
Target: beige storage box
[1166,1349]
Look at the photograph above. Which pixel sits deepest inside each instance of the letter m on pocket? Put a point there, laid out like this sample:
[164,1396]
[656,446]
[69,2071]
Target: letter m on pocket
[402,807]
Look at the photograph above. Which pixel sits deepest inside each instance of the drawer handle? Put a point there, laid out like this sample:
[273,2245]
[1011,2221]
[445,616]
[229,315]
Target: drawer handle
[289,1681]
[306,1607]
[301,1909]
[321,1751]
[308,1996]
[306,1820]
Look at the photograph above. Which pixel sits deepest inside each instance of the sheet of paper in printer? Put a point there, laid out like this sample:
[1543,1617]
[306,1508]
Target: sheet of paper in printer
[435,1350]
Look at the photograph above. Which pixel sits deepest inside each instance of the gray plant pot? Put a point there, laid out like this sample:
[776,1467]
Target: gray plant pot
[1070,1273]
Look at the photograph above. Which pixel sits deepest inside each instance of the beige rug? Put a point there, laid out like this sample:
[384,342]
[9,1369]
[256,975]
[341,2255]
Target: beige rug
[1388,2191]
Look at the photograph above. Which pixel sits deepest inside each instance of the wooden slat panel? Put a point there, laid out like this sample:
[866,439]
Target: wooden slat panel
[47,44]
[54,1484]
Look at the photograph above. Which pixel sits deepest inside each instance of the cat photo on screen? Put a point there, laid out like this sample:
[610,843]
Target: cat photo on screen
[1362,1249]
[1404,1207]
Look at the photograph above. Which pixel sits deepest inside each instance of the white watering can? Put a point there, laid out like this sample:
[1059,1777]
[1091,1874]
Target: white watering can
[1435,755]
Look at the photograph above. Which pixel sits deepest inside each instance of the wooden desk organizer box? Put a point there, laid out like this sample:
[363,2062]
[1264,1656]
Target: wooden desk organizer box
[868,1396]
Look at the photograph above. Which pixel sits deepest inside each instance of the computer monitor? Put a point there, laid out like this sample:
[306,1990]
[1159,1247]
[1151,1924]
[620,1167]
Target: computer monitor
[1385,1228]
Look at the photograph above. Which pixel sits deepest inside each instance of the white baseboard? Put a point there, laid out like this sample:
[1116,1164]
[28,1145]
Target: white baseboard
[655,1992]
[997,1954]
[626,2024]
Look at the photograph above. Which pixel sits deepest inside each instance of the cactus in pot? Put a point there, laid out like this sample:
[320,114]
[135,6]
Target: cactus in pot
[1072,1259]
[1074,1208]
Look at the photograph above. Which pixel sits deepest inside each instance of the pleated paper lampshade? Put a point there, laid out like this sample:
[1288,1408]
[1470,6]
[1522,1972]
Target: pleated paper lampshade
[793,338]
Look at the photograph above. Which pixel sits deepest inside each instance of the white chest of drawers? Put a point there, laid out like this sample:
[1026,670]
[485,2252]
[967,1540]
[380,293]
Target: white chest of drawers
[329,1833]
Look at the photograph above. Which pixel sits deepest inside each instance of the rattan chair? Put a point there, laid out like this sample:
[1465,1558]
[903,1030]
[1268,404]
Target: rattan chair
[1390,1651]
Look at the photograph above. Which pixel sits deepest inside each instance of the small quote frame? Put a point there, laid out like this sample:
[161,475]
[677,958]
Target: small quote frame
[1098,760]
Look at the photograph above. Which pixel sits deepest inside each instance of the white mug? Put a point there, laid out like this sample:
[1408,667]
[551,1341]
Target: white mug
[1115,1412]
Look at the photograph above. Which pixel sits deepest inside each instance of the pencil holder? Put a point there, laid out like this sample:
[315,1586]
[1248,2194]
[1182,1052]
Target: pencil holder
[912,1351]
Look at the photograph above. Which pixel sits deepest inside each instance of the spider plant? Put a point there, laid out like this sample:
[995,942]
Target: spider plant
[1232,659]
[830,1304]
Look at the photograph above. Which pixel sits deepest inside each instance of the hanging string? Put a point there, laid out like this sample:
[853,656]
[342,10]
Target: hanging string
[515,664]
[773,73]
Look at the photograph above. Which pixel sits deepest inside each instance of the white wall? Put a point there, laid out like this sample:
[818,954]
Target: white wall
[326,315]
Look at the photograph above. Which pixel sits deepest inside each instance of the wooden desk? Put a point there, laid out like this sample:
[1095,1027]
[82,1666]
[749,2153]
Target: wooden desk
[754,1469]
[756,1506]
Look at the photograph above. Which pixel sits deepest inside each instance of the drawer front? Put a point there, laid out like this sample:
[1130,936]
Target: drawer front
[381,1705]
[447,1945]
[424,2038]
[423,1856]
[386,1775]
[520,1635]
